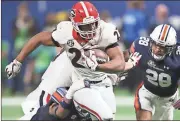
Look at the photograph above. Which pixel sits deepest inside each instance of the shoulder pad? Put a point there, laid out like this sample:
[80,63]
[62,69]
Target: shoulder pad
[177,50]
[110,34]
[64,24]
[139,44]
[62,32]
[174,60]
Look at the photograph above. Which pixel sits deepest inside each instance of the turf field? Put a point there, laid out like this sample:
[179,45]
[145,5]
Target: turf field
[125,111]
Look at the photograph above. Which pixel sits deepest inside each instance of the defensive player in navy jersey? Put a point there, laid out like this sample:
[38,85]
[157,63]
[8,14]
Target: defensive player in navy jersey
[160,66]
[52,111]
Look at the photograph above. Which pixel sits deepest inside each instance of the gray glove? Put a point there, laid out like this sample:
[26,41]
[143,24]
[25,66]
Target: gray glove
[13,69]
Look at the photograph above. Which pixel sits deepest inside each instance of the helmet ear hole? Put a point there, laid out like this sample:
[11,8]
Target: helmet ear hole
[72,14]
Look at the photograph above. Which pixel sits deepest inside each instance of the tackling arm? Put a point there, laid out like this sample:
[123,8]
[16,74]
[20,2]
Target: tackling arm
[131,57]
[128,65]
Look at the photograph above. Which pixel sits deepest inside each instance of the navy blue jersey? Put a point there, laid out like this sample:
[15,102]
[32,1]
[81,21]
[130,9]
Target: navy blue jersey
[159,77]
[43,115]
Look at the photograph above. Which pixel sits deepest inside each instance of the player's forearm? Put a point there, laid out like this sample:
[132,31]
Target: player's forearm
[128,66]
[43,38]
[27,49]
[112,66]
[126,55]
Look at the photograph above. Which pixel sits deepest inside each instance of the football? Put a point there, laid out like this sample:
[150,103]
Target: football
[101,56]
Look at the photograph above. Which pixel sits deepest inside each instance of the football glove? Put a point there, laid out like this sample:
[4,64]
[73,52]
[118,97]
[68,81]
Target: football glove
[13,69]
[90,62]
[134,58]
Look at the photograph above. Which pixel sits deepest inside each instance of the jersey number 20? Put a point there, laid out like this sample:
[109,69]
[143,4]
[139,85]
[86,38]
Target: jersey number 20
[162,79]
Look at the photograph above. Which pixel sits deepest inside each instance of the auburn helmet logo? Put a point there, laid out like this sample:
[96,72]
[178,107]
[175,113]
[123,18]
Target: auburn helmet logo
[73,14]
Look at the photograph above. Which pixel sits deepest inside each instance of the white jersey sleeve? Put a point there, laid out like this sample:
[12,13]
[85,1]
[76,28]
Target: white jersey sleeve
[62,33]
[110,34]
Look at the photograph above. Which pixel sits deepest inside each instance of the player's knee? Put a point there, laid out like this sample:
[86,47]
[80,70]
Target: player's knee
[101,118]
[110,118]
[107,116]
[103,115]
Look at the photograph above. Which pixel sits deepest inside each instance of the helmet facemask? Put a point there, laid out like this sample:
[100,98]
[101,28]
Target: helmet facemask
[165,50]
[87,30]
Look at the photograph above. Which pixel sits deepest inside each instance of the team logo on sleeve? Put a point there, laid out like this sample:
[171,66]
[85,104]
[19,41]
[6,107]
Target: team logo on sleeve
[70,43]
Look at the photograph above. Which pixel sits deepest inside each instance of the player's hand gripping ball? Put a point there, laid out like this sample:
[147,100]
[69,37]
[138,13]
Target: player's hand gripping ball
[101,56]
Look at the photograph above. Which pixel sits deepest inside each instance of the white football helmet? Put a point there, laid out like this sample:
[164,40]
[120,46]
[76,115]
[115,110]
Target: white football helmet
[165,36]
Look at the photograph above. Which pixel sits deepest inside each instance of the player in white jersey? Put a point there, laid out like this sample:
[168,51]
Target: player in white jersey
[85,31]
[58,74]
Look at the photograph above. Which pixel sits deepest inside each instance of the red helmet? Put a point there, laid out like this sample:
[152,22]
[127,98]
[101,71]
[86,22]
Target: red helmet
[85,19]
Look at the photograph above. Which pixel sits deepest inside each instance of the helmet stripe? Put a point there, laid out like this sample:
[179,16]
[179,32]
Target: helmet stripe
[167,33]
[161,32]
[85,9]
[164,32]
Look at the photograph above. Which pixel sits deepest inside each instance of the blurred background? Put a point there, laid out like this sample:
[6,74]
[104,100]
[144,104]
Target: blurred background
[22,20]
